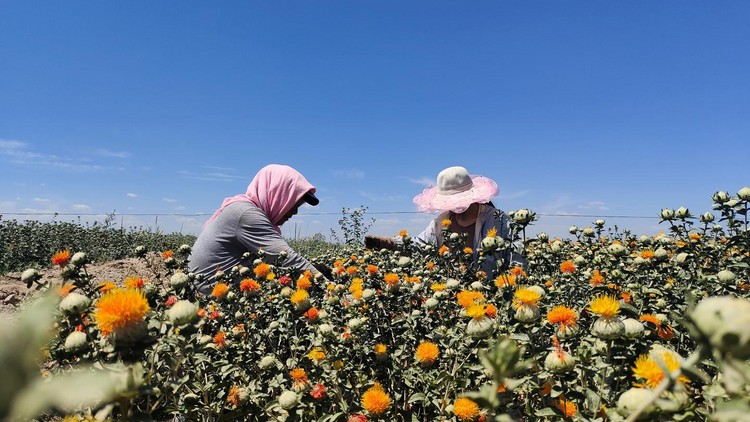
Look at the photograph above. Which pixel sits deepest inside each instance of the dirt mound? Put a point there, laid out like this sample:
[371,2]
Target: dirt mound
[13,292]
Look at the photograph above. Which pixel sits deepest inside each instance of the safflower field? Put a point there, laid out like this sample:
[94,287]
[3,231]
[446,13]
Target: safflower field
[602,325]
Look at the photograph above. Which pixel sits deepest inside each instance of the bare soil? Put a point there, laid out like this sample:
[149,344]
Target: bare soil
[14,294]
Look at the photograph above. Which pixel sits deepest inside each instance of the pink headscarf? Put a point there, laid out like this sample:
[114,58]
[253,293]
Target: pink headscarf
[275,190]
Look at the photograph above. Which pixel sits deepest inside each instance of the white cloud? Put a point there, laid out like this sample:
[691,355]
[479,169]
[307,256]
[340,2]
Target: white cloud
[81,207]
[382,197]
[513,195]
[180,208]
[168,200]
[565,213]
[225,169]
[107,153]
[211,177]
[349,174]
[599,205]
[37,211]
[424,181]
[11,144]
[132,195]
[41,200]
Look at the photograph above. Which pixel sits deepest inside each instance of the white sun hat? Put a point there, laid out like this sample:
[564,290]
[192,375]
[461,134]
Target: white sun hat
[456,190]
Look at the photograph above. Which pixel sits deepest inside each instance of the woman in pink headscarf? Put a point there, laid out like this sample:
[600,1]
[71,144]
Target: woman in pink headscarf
[250,222]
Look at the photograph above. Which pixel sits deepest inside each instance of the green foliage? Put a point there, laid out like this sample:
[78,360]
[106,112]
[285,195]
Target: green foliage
[32,243]
[353,226]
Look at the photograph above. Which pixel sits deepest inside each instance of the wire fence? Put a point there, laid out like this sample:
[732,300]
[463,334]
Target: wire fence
[153,214]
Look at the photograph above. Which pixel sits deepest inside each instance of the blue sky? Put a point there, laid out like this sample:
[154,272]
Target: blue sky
[612,108]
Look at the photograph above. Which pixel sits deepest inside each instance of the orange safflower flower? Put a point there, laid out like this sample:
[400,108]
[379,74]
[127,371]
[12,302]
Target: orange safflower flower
[299,377]
[120,309]
[371,269]
[505,280]
[249,285]
[443,249]
[63,291]
[427,352]
[375,400]
[663,331]
[566,406]
[61,258]
[134,282]
[312,313]
[516,271]
[220,339]
[167,254]
[562,315]
[568,267]
[262,269]
[596,279]
[304,283]
[220,290]
[392,279]
[467,298]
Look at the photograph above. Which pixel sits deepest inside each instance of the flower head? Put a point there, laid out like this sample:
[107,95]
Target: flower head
[371,269]
[298,296]
[562,315]
[605,306]
[427,352]
[106,286]
[262,269]
[249,285]
[234,395]
[312,313]
[134,282]
[167,254]
[299,376]
[220,339]
[505,280]
[318,391]
[61,258]
[492,232]
[445,223]
[465,409]
[596,279]
[220,290]
[317,354]
[524,296]
[566,406]
[64,290]
[443,249]
[304,283]
[392,279]
[120,309]
[663,331]
[647,368]
[568,267]
[467,298]
[403,233]
[380,349]
[375,400]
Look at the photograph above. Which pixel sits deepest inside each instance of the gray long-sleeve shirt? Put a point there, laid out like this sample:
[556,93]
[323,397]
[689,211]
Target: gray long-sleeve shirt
[239,228]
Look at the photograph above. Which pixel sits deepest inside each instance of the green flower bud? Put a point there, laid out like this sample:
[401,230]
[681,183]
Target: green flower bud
[633,328]
[288,400]
[573,230]
[76,341]
[527,313]
[667,214]
[140,251]
[182,312]
[726,322]
[74,304]
[744,194]
[682,213]
[707,218]
[631,400]
[726,276]
[608,328]
[179,280]
[79,259]
[267,362]
[556,364]
[31,275]
[720,197]
[480,328]
[599,223]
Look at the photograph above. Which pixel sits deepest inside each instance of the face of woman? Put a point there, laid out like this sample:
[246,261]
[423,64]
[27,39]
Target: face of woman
[291,213]
[468,217]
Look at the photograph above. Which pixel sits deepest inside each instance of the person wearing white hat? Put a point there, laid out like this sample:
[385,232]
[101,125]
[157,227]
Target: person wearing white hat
[465,201]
